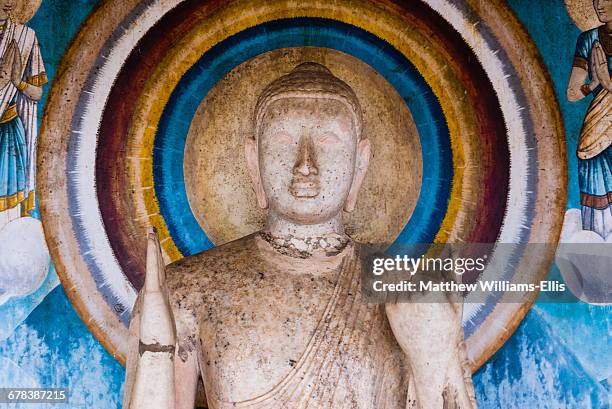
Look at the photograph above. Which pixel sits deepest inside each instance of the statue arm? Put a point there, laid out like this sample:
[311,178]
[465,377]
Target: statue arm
[599,62]
[431,336]
[576,88]
[186,360]
[32,91]
[186,382]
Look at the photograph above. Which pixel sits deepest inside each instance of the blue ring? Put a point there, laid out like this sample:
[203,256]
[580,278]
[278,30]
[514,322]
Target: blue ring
[169,145]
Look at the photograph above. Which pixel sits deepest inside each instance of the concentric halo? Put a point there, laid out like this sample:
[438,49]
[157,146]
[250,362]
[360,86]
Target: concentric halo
[490,133]
[216,182]
[583,14]
[25,10]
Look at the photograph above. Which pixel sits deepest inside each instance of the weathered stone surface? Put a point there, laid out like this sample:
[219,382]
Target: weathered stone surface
[215,171]
[276,319]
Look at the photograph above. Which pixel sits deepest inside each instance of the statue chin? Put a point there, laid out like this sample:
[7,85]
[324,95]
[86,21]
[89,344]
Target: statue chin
[305,207]
[305,211]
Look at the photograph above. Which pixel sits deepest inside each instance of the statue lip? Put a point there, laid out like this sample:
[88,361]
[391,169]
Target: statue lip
[302,187]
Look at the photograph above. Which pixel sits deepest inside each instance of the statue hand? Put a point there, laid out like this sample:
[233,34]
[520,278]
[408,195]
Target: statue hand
[416,324]
[599,67]
[6,65]
[431,336]
[157,326]
[151,372]
[17,66]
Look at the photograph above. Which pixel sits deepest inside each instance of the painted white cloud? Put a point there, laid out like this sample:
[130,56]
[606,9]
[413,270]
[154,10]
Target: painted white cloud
[24,258]
[584,259]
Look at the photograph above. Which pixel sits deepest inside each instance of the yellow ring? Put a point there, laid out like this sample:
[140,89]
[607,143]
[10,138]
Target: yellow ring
[419,49]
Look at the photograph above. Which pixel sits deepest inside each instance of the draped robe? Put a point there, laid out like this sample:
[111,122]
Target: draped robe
[349,360]
[19,121]
[594,144]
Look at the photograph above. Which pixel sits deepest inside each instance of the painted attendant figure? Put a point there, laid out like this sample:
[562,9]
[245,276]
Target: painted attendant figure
[591,76]
[277,319]
[22,75]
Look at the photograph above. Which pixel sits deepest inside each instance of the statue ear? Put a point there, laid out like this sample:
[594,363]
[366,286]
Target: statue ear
[361,167]
[252,161]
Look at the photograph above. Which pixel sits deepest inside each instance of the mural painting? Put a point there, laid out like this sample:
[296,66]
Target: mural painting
[484,123]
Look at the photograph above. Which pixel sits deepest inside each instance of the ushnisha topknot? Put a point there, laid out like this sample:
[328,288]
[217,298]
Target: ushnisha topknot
[309,80]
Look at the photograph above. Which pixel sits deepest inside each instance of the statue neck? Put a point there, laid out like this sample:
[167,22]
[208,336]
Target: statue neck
[298,247]
[281,227]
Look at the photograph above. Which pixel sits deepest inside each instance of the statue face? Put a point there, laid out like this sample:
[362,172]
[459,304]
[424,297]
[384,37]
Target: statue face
[7,7]
[603,9]
[307,152]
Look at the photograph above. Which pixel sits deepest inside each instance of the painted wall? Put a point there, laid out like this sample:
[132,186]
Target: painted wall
[558,358]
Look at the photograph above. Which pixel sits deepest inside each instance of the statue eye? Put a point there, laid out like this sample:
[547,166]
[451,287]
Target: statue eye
[328,139]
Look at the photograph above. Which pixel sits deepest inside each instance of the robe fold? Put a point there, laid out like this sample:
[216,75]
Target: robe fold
[19,121]
[350,362]
[594,144]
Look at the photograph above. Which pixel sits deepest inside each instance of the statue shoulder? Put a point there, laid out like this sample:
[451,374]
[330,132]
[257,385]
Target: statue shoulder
[211,270]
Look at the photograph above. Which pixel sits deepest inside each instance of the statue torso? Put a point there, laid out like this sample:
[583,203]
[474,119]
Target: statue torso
[282,332]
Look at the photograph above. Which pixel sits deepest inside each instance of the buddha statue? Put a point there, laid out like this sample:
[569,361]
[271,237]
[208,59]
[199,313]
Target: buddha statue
[277,319]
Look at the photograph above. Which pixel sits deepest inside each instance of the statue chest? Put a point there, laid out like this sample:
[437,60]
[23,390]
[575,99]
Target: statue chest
[302,334]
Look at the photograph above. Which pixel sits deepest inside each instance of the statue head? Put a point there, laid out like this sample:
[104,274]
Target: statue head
[307,157]
[7,7]
[603,8]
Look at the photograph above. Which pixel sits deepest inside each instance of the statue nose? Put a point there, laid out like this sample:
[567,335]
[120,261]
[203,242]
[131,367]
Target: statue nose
[306,162]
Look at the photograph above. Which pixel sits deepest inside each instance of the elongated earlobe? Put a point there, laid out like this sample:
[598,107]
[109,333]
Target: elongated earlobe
[361,168]
[252,161]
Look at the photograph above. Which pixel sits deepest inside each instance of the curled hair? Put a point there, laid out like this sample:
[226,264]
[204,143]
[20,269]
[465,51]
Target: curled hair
[309,80]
